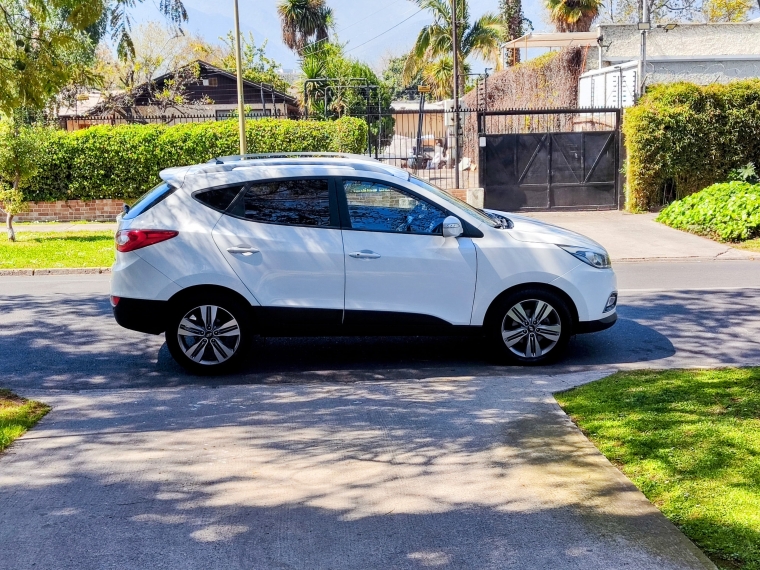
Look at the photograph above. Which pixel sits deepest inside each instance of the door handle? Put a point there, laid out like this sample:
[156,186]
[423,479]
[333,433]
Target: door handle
[364,254]
[242,250]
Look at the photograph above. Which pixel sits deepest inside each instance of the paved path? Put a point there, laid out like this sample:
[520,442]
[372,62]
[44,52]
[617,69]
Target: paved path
[637,236]
[447,473]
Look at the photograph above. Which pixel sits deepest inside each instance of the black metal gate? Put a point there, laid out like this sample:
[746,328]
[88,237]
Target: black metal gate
[550,159]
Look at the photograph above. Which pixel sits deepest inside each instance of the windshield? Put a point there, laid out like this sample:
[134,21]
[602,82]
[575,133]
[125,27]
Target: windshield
[472,210]
[148,200]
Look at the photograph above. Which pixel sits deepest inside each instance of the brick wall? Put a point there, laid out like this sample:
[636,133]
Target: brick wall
[72,211]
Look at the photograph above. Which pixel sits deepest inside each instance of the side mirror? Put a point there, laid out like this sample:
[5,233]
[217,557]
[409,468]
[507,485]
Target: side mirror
[452,227]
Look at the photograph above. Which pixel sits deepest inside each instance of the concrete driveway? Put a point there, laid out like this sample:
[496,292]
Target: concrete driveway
[629,237]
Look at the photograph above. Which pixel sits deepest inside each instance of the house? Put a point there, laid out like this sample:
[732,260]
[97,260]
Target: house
[698,53]
[213,96]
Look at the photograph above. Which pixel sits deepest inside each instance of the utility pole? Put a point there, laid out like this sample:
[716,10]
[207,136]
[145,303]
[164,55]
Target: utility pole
[644,26]
[456,90]
[239,64]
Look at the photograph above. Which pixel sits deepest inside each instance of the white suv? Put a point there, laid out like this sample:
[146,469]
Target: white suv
[322,244]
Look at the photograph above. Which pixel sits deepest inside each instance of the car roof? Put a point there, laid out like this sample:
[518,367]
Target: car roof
[234,169]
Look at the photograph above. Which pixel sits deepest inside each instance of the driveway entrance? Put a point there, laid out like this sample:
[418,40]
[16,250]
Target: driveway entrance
[550,159]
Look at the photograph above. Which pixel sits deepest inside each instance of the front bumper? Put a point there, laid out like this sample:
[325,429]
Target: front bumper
[141,315]
[595,326]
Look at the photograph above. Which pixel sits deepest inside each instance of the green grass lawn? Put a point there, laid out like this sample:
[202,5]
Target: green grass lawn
[690,440]
[750,244]
[17,415]
[45,250]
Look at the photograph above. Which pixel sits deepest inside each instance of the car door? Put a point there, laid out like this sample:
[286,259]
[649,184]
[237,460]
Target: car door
[282,238]
[397,261]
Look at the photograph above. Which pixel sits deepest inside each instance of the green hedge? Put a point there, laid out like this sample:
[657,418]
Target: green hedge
[124,161]
[684,137]
[728,211]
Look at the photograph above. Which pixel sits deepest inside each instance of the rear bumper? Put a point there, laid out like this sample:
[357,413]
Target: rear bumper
[141,315]
[596,326]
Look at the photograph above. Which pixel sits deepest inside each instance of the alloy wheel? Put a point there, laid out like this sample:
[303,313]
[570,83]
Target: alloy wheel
[208,335]
[531,328]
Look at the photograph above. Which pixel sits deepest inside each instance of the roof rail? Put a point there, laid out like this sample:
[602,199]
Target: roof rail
[242,157]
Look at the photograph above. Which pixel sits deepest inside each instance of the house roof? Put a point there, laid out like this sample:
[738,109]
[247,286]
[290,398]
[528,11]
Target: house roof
[212,68]
[559,39]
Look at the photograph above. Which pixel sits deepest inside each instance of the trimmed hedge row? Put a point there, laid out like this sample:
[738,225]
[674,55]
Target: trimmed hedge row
[685,137]
[123,162]
[728,211]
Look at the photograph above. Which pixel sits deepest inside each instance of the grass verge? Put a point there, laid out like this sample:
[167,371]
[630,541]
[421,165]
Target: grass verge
[45,250]
[690,440]
[17,415]
[749,245]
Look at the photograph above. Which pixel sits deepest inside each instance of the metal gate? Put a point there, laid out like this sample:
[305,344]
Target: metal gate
[550,159]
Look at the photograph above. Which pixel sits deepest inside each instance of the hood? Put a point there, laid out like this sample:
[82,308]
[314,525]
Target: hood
[531,230]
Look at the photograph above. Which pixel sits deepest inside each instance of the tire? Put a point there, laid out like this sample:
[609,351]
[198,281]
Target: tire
[517,337]
[203,347]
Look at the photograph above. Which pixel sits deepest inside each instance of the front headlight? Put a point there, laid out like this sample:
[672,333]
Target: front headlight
[598,259]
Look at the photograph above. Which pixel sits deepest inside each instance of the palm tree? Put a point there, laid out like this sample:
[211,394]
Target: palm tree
[573,15]
[433,44]
[304,21]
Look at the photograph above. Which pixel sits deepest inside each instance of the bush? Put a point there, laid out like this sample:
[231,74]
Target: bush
[123,162]
[682,138]
[728,211]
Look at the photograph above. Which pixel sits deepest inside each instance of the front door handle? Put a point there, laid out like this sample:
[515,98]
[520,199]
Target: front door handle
[364,254]
[243,250]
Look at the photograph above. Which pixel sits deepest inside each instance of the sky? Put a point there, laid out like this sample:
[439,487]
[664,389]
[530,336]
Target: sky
[358,23]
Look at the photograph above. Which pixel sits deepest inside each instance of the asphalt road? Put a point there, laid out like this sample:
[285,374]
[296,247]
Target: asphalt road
[340,453]
[58,333]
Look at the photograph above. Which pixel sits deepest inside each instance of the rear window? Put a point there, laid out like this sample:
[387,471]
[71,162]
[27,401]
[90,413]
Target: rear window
[149,199]
[218,198]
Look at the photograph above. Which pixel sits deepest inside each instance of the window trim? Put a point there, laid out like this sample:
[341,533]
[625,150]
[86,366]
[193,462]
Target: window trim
[243,187]
[332,202]
[346,217]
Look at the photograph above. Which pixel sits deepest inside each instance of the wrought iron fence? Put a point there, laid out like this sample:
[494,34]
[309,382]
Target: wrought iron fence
[74,123]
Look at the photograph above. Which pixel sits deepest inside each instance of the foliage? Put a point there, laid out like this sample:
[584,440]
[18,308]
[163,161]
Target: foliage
[393,78]
[690,440]
[41,46]
[661,11]
[45,250]
[124,161]
[680,138]
[746,173]
[433,45]
[257,67]
[729,211]
[726,10]
[573,15]
[515,25]
[17,415]
[304,22]
[116,18]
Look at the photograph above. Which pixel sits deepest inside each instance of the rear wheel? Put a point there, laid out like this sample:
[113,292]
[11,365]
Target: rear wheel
[208,334]
[530,327]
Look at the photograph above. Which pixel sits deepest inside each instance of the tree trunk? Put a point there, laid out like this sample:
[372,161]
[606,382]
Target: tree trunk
[9,222]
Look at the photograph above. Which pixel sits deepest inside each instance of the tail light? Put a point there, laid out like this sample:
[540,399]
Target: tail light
[130,240]
[115,300]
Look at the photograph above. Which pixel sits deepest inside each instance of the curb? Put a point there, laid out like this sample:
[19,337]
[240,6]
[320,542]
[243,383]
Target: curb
[55,271]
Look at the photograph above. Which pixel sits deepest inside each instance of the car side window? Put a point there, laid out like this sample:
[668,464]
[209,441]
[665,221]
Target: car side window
[292,202]
[376,207]
[218,198]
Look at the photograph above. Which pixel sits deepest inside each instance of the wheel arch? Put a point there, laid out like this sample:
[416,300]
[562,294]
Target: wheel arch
[193,290]
[490,312]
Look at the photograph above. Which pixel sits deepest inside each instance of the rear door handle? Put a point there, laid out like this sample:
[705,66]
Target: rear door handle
[242,250]
[364,254]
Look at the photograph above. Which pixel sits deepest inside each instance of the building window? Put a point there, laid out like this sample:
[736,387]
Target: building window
[210,82]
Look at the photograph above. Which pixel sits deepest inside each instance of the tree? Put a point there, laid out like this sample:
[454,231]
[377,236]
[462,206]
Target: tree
[304,22]
[433,45]
[257,67]
[116,17]
[573,15]
[726,10]
[515,25]
[393,78]
[19,157]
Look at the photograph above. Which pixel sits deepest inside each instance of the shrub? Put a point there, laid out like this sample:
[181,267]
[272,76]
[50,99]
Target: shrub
[123,162]
[683,137]
[729,211]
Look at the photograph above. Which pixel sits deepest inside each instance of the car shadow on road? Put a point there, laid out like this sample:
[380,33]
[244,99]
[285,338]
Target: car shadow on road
[72,342]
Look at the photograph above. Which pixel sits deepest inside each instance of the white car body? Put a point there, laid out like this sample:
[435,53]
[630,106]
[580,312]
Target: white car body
[436,279]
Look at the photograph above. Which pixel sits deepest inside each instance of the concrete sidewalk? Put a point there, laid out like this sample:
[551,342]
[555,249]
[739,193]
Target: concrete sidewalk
[460,473]
[633,237]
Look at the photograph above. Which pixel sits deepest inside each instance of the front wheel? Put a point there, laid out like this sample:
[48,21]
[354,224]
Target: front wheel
[530,327]
[208,334]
